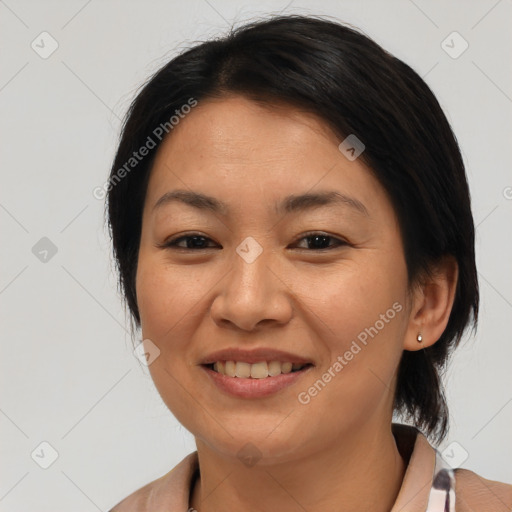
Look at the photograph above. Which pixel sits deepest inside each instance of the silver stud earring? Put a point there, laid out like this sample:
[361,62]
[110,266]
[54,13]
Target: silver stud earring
[419,338]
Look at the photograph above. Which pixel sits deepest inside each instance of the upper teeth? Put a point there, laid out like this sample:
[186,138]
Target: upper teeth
[259,370]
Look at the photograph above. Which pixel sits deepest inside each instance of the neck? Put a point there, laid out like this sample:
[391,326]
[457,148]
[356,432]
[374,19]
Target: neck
[362,471]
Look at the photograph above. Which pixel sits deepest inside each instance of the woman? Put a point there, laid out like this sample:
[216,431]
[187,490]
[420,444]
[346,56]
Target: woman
[291,221]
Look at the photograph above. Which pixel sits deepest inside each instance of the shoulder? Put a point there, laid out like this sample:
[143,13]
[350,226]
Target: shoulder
[169,492]
[474,492]
[137,501]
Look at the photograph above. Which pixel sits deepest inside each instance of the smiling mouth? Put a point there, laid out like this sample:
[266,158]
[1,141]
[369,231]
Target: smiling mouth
[260,370]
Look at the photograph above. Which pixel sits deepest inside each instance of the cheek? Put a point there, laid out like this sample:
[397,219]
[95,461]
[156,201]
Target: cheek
[166,298]
[353,299]
[166,301]
[362,319]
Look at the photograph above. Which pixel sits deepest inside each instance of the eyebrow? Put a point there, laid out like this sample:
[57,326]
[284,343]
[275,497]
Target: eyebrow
[290,204]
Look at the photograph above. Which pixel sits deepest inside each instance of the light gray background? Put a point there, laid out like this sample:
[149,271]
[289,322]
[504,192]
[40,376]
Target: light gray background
[68,374]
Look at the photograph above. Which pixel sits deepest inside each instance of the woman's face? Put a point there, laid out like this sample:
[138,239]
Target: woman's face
[257,278]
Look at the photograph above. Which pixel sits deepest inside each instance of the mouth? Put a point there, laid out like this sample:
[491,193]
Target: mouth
[258,370]
[260,379]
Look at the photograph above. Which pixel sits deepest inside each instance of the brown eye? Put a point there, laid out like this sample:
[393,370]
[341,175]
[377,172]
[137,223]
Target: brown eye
[320,241]
[196,241]
[192,242]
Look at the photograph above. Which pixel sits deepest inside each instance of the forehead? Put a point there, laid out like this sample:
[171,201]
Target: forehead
[245,151]
[238,126]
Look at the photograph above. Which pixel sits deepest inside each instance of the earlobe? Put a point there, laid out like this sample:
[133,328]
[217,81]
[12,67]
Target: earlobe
[432,304]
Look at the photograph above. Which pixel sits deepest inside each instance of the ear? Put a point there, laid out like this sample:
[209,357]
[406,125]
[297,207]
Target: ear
[432,304]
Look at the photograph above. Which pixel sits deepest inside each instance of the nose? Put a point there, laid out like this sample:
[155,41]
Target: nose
[253,295]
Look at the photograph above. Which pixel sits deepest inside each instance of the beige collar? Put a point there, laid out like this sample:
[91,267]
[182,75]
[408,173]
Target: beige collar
[414,492]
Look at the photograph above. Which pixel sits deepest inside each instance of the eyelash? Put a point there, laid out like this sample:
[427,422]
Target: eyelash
[172,244]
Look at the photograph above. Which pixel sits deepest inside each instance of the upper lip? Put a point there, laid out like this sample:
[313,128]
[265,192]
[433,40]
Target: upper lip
[254,356]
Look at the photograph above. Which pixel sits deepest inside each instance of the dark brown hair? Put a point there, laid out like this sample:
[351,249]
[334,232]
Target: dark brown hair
[356,87]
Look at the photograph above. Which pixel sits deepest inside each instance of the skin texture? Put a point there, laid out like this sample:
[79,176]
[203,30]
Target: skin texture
[337,451]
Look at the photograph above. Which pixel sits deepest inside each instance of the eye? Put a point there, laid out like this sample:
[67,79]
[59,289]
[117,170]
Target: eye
[195,241]
[192,241]
[319,241]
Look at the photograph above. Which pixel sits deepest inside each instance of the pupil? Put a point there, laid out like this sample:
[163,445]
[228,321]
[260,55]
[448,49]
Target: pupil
[196,241]
[315,239]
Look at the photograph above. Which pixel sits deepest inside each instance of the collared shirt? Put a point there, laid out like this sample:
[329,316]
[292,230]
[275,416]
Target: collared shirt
[429,484]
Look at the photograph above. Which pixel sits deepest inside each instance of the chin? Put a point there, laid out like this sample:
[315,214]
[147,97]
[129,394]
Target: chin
[252,447]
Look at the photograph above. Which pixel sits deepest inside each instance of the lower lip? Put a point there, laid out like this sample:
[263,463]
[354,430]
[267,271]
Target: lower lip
[254,388]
